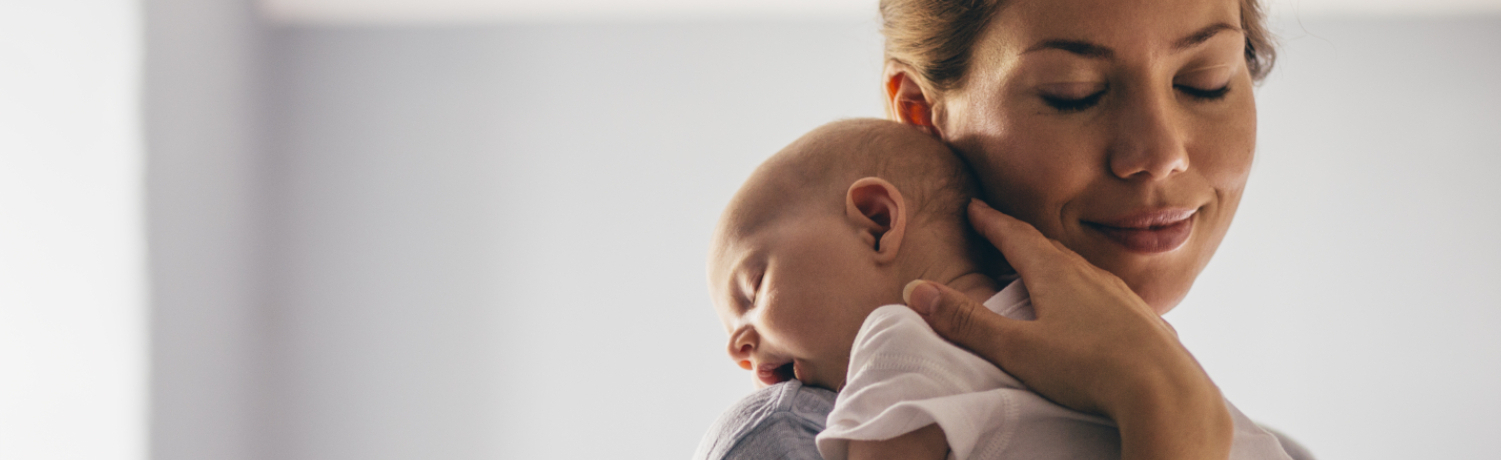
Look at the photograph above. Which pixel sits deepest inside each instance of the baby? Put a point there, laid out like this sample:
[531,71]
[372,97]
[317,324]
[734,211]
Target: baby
[806,270]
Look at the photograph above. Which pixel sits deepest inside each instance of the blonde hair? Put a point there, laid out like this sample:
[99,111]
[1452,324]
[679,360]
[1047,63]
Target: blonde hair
[934,37]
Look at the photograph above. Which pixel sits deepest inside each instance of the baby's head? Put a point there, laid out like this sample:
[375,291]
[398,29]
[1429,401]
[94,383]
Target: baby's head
[826,231]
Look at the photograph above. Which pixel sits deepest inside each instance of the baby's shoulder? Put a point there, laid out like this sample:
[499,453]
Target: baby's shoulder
[894,315]
[896,334]
[776,422]
[895,341]
[895,326]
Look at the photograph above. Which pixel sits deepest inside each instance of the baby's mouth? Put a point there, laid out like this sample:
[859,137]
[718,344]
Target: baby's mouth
[772,374]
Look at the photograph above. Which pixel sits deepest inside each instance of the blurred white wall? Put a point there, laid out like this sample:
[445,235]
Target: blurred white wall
[204,141]
[73,296]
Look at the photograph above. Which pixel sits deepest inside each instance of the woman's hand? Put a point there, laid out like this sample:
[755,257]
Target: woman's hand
[1095,346]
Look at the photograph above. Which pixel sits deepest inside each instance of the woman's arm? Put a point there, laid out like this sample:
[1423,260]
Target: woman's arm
[1095,346]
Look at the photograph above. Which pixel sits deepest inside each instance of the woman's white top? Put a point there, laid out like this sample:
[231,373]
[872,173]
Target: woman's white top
[903,376]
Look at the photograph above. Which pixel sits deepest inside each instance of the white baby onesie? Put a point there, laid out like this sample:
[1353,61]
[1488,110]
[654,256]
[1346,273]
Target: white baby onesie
[903,376]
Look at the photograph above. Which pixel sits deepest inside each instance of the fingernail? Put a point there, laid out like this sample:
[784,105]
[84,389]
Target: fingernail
[920,296]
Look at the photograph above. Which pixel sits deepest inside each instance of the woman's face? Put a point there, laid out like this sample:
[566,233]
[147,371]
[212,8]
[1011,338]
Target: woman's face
[1124,129]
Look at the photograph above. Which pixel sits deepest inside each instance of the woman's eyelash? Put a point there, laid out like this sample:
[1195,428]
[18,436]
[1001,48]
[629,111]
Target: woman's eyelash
[1204,94]
[1073,105]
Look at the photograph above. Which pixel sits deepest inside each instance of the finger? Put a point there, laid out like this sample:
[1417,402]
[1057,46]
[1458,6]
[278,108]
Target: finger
[960,319]
[1025,248]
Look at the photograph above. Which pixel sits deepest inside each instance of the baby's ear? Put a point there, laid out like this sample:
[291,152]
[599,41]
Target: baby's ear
[876,207]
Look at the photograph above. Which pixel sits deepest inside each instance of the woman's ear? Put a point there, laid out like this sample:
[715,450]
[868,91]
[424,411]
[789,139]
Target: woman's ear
[877,209]
[906,102]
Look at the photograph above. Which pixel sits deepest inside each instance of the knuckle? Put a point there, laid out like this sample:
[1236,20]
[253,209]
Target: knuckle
[961,323]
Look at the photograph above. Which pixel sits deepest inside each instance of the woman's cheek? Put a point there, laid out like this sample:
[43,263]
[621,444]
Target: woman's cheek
[1228,139]
[1047,163]
[1030,162]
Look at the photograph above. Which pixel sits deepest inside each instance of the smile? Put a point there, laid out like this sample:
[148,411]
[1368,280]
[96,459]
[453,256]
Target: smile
[1150,232]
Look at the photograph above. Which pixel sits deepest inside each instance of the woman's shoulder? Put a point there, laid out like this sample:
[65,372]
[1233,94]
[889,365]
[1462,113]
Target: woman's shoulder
[779,421]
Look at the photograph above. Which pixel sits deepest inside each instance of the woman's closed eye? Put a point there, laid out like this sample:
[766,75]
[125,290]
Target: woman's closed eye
[1204,94]
[1205,83]
[1072,97]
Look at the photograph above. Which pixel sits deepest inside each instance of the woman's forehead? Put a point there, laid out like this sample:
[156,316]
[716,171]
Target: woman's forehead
[1114,24]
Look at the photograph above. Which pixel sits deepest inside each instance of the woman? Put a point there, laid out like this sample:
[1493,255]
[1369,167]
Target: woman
[1123,131]
[1119,134]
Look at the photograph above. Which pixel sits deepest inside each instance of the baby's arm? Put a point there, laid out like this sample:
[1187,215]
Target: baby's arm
[918,394]
[926,443]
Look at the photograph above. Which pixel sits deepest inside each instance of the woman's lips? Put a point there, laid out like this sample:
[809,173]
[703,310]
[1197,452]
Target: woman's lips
[1148,232]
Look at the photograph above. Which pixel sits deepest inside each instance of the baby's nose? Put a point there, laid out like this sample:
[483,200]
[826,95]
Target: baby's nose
[740,356]
[740,351]
[742,343]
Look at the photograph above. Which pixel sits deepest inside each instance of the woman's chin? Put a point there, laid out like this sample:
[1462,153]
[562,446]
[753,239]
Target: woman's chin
[1162,289]
[1161,279]
[1164,302]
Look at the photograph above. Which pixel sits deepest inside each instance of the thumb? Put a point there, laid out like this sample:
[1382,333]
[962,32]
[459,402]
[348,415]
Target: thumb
[958,318]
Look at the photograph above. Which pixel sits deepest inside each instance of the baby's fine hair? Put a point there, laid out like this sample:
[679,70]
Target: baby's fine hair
[812,176]
[936,183]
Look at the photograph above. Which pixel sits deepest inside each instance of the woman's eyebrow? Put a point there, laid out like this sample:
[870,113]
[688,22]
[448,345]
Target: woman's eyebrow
[1098,51]
[1203,35]
[1079,47]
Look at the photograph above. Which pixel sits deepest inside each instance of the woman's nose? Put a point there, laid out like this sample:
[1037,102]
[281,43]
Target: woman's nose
[1149,142]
